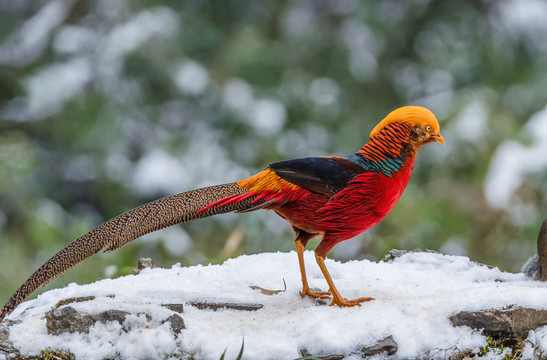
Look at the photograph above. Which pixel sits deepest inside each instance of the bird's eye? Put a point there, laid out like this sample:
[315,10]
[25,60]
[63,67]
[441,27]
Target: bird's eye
[428,128]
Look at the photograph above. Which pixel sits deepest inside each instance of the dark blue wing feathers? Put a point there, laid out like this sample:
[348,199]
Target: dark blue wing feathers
[324,175]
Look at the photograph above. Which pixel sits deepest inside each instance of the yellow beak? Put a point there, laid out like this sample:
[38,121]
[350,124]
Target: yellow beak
[437,137]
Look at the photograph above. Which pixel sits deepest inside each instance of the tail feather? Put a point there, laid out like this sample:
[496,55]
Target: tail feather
[126,227]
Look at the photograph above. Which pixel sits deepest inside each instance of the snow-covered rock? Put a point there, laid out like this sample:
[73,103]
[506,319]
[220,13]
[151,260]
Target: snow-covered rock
[415,295]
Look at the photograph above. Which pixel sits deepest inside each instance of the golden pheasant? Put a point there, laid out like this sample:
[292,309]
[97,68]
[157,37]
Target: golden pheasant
[336,197]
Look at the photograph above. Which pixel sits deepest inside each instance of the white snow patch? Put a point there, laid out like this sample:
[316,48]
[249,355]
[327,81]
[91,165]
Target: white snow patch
[149,25]
[125,38]
[324,91]
[298,21]
[238,95]
[512,162]
[72,39]
[191,78]
[30,41]
[267,117]
[364,47]
[527,18]
[53,86]
[472,123]
[175,239]
[415,295]
[158,172]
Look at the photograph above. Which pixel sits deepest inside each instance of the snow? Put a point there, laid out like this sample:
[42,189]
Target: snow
[513,162]
[238,95]
[268,116]
[55,85]
[26,45]
[527,18]
[364,47]
[191,78]
[472,123]
[415,295]
[184,171]
[324,91]
[146,25]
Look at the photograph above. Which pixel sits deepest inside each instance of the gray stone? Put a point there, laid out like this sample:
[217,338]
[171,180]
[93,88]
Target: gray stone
[387,345]
[396,253]
[74,300]
[68,319]
[111,315]
[176,323]
[174,307]
[306,355]
[510,322]
[6,347]
[231,306]
[143,263]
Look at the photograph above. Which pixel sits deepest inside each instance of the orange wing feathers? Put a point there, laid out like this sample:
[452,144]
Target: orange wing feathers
[266,180]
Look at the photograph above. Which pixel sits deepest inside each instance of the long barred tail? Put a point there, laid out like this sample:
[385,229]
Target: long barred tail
[126,227]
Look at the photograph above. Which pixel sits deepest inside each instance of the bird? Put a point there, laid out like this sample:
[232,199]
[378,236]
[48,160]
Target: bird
[336,197]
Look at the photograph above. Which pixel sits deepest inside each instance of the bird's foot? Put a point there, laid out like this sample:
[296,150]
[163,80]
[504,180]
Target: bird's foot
[343,302]
[315,294]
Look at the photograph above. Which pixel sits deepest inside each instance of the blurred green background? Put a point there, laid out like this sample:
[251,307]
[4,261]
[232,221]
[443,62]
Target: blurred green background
[106,105]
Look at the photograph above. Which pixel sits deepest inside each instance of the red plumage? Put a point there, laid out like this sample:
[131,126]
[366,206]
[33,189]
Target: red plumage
[340,197]
[367,199]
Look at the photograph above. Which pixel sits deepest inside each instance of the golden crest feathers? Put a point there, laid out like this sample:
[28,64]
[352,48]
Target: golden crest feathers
[415,115]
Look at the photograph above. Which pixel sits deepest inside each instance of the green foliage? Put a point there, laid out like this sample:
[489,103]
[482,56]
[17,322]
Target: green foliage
[506,348]
[240,355]
[511,349]
[48,354]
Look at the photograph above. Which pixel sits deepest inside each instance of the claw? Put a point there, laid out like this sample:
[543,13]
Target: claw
[348,303]
[315,294]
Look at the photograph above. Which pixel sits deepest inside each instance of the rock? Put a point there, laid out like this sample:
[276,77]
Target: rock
[111,315]
[387,345]
[509,322]
[176,322]
[6,347]
[143,263]
[231,306]
[396,253]
[73,300]
[78,300]
[306,355]
[174,307]
[68,319]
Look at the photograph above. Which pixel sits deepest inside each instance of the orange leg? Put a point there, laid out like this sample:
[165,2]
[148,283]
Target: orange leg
[336,297]
[305,287]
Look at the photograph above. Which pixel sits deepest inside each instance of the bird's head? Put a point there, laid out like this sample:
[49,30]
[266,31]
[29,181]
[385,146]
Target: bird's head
[425,127]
